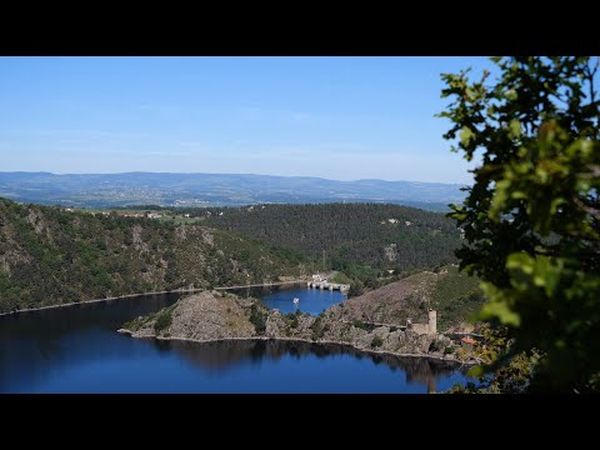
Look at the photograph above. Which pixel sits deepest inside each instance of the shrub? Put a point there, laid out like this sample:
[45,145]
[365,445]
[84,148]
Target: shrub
[318,330]
[341,278]
[258,318]
[356,289]
[363,326]
[376,342]
[357,324]
[163,320]
[434,347]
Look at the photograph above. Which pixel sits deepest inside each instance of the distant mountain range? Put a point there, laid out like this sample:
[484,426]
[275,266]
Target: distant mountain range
[203,189]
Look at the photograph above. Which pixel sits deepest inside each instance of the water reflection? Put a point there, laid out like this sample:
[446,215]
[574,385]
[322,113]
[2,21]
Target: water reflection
[52,323]
[37,343]
[223,356]
[78,350]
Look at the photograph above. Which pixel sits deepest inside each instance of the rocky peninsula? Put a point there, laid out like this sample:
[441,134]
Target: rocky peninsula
[215,316]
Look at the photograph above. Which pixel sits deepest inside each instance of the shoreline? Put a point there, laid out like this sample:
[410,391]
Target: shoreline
[98,300]
[291,339]
[125,296]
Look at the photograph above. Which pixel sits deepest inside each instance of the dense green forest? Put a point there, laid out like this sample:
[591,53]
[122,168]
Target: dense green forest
[384,237]
[50,256]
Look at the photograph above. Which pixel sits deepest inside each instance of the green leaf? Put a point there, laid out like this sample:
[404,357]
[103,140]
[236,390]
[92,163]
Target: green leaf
[540,270]
[514,128]
[556,203]
[476,372]
[470,93]
[466,135]
[511,94]
[499,199]
[520,261]
[502,312]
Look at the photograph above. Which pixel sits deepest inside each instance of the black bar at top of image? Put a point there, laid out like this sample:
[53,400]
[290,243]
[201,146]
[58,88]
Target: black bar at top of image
[392,46]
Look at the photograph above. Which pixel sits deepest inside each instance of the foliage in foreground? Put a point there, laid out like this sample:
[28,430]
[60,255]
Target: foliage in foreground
[511,376]
[531,219]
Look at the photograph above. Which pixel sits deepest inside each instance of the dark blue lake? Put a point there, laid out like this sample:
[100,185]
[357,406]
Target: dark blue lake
[77,349]
[312,301]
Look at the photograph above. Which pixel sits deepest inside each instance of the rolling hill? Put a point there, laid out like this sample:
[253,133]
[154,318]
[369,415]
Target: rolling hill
[198,189]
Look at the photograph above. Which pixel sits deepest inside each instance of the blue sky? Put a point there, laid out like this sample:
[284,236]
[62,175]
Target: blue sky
[340,118]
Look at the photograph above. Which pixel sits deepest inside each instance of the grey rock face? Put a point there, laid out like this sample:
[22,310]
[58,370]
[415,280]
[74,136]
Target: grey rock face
[214,315]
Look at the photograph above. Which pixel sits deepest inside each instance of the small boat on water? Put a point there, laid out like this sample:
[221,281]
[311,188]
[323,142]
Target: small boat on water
[296,300]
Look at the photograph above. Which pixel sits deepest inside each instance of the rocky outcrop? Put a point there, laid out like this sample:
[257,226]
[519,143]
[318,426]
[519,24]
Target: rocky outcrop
[138,242]
[212,316]
[454,295]
[393,303]
[37,221]
[205,316]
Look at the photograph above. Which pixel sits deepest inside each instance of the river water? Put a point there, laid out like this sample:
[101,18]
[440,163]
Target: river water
[77,350]
[312,301]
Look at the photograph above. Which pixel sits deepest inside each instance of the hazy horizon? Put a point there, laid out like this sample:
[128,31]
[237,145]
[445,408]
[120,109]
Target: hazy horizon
[340,118]
[226,173]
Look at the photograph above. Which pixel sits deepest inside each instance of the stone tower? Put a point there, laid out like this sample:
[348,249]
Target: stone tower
[432,322]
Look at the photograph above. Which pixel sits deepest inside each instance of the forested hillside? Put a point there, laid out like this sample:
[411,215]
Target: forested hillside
[51,256]
[384,237]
